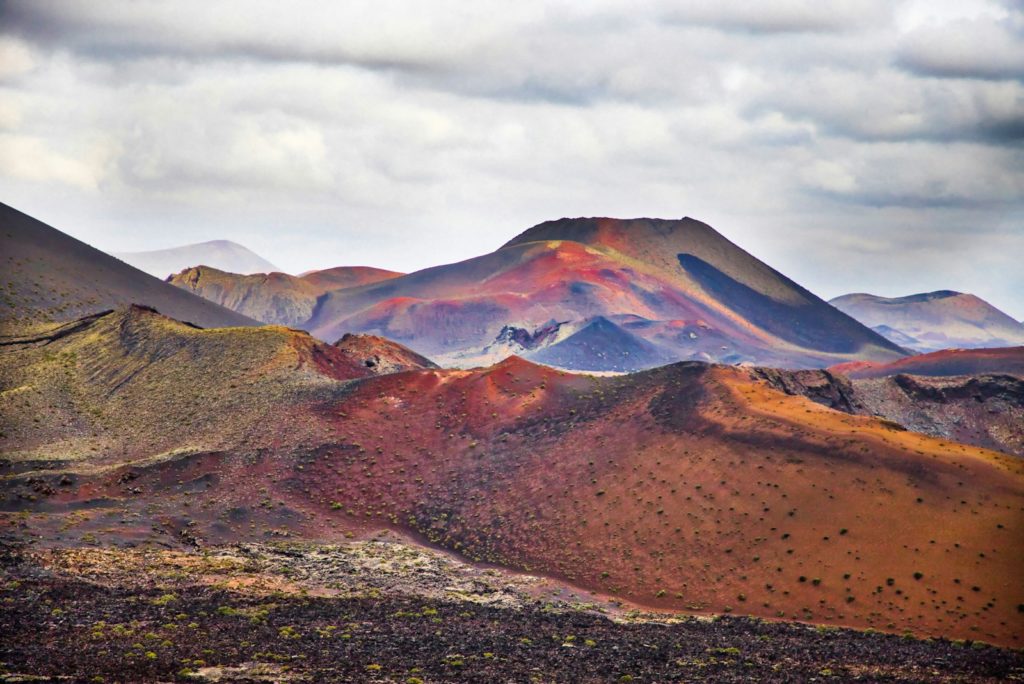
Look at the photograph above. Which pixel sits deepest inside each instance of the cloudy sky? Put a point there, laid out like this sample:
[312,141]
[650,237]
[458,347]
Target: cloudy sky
[856,145]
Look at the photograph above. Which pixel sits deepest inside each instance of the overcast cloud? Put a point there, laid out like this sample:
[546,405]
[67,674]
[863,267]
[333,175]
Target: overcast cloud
[856,145]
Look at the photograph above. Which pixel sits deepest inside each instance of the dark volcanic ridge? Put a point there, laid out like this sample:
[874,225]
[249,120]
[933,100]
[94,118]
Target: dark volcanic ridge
[600,345]
[52,277]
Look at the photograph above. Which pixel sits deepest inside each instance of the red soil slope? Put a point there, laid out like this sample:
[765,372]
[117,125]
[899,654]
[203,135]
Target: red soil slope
[948,362]
[670,274]
[691,487]
[380,355]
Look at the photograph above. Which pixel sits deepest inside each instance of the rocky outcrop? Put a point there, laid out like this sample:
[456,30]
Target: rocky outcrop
[826,388]
[982,410]
[511,335]
[380,355]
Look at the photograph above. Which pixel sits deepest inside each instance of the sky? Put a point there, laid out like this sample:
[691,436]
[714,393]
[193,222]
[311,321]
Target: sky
[855,145]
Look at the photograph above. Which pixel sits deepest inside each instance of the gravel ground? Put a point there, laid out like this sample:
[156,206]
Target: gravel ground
[115,620]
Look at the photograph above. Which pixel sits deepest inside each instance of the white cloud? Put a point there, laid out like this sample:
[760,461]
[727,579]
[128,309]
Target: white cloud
[16,58]
[32,159]
[404,134]
[983,47]
[784,16]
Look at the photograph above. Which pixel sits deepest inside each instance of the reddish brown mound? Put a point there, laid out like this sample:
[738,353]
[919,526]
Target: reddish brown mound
[276,298]
[689,487]
[948,362]
[381,355]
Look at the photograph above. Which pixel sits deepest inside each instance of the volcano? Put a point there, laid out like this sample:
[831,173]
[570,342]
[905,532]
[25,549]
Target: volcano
[679,287]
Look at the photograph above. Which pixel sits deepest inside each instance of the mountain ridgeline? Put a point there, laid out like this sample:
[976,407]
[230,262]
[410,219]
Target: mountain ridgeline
[222,254]
[52,277]
[276,298]
[869,494]
[934,320]
[623,295]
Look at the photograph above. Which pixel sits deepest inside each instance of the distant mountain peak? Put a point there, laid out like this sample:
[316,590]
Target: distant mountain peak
[907,299]
[223,255]
[930,321]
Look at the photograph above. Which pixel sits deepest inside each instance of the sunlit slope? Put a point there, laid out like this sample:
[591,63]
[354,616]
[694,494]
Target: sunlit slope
[681,285]
[689,487]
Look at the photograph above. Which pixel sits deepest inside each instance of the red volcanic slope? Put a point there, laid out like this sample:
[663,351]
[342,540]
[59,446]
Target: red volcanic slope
[949,362]
[346,276]
[690,487]
[380,355]
[671,274]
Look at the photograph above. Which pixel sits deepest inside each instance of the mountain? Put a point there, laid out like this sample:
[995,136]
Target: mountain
[276,298]
[601,345]
[221,254]
[50,276]
[677,284]
[945,363]
[690,487]
[934,320]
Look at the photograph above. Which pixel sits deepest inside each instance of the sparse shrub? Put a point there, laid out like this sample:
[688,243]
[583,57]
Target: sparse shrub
[164,600]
